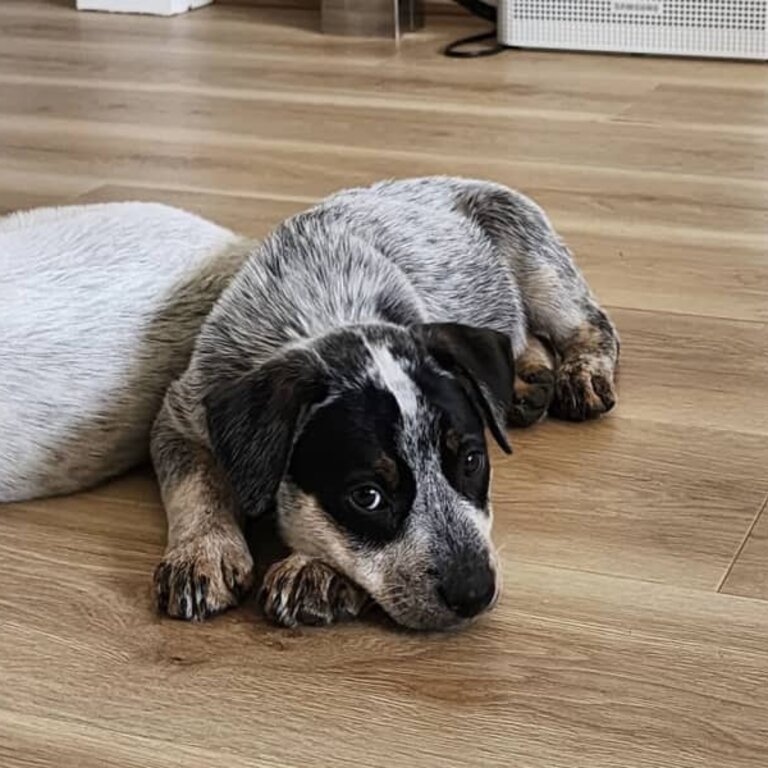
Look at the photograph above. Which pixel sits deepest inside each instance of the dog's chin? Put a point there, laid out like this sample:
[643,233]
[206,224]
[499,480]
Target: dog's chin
[425,618]
[428,616]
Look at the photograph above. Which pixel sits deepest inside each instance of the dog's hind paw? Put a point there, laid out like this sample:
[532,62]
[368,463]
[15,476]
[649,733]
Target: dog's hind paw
[534,388]
[584,389]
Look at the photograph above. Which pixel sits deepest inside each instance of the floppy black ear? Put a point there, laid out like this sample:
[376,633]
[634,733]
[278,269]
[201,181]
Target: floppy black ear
[482,361]
[252,423]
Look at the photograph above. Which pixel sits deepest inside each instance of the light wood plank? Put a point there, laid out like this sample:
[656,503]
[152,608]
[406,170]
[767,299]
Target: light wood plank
[246,164]
[532,680]
[709,108]
[27,741]
[629,498]
[581,140]
[240,30]
[218,72]
[701,279]
[19,190]
[693,371]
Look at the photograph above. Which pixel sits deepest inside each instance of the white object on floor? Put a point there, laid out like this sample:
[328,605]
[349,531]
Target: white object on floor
[734,29]
[155,7]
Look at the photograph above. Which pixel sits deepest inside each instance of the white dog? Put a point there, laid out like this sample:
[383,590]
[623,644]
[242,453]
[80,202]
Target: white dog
[93,301]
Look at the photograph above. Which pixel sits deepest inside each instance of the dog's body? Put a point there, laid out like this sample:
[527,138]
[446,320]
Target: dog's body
[344,378]
[99,309]
[331,381]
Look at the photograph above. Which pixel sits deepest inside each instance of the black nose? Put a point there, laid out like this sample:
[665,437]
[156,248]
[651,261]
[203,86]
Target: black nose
[468,589]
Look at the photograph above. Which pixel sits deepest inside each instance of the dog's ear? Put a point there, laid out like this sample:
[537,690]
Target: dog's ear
[253,423]
[481,359]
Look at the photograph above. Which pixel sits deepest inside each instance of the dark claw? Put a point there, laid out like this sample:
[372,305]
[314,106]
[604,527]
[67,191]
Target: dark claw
[604,391]
[162,587]
[201,590]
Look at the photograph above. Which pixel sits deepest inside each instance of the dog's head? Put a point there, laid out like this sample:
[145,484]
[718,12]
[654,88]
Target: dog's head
[371,443]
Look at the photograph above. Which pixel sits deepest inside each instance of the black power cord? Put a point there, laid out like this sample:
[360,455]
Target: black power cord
[456,48]
[483,10]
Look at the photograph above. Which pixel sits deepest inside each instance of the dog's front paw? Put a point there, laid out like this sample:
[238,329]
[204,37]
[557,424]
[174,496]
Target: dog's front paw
[584,389]
[303,590]
[203,576]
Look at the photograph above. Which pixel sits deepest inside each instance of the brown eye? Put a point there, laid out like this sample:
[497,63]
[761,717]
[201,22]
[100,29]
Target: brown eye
[367,498]
[474,461]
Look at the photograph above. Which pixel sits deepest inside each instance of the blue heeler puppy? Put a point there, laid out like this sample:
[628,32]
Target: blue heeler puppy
[345,379]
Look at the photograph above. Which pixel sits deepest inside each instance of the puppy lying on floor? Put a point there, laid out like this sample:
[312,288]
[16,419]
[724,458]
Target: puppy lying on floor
[344,379]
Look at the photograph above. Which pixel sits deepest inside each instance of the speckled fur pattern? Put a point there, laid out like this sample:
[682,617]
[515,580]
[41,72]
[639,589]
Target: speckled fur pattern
[328,304]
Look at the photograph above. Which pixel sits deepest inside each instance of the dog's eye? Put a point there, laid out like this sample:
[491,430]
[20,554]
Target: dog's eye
[367,498]
[474,461]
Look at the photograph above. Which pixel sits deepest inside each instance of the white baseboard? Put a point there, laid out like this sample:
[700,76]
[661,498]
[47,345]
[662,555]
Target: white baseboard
[156,7]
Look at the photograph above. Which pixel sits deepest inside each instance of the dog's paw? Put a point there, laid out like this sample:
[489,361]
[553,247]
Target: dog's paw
[302,590]
[533,392]
[203,576]
[584,389]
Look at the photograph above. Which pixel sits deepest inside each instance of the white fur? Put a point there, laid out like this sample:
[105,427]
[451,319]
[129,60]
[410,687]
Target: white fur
[90,301]
[393,377]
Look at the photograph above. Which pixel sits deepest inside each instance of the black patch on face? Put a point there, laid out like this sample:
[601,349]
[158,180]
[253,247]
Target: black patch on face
[350,444]
[463,451]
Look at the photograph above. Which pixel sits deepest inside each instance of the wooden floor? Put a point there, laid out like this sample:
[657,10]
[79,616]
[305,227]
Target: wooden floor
[633,630]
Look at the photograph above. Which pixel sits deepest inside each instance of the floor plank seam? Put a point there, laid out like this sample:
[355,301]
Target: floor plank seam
[193,189]
[301,96]
[741,546]
[693,315]
[616,576]
[727,129]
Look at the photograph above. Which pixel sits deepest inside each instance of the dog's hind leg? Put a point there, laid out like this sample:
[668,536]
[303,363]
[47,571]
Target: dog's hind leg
[558,302]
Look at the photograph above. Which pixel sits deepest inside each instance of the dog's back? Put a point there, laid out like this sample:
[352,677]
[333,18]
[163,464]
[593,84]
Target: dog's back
[427,228]
[99,309]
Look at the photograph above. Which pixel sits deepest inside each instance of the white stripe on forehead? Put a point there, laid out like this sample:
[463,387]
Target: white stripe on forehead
[393,376]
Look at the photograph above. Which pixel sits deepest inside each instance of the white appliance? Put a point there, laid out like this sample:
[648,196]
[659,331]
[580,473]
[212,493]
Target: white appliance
[156,7]
[736,29]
